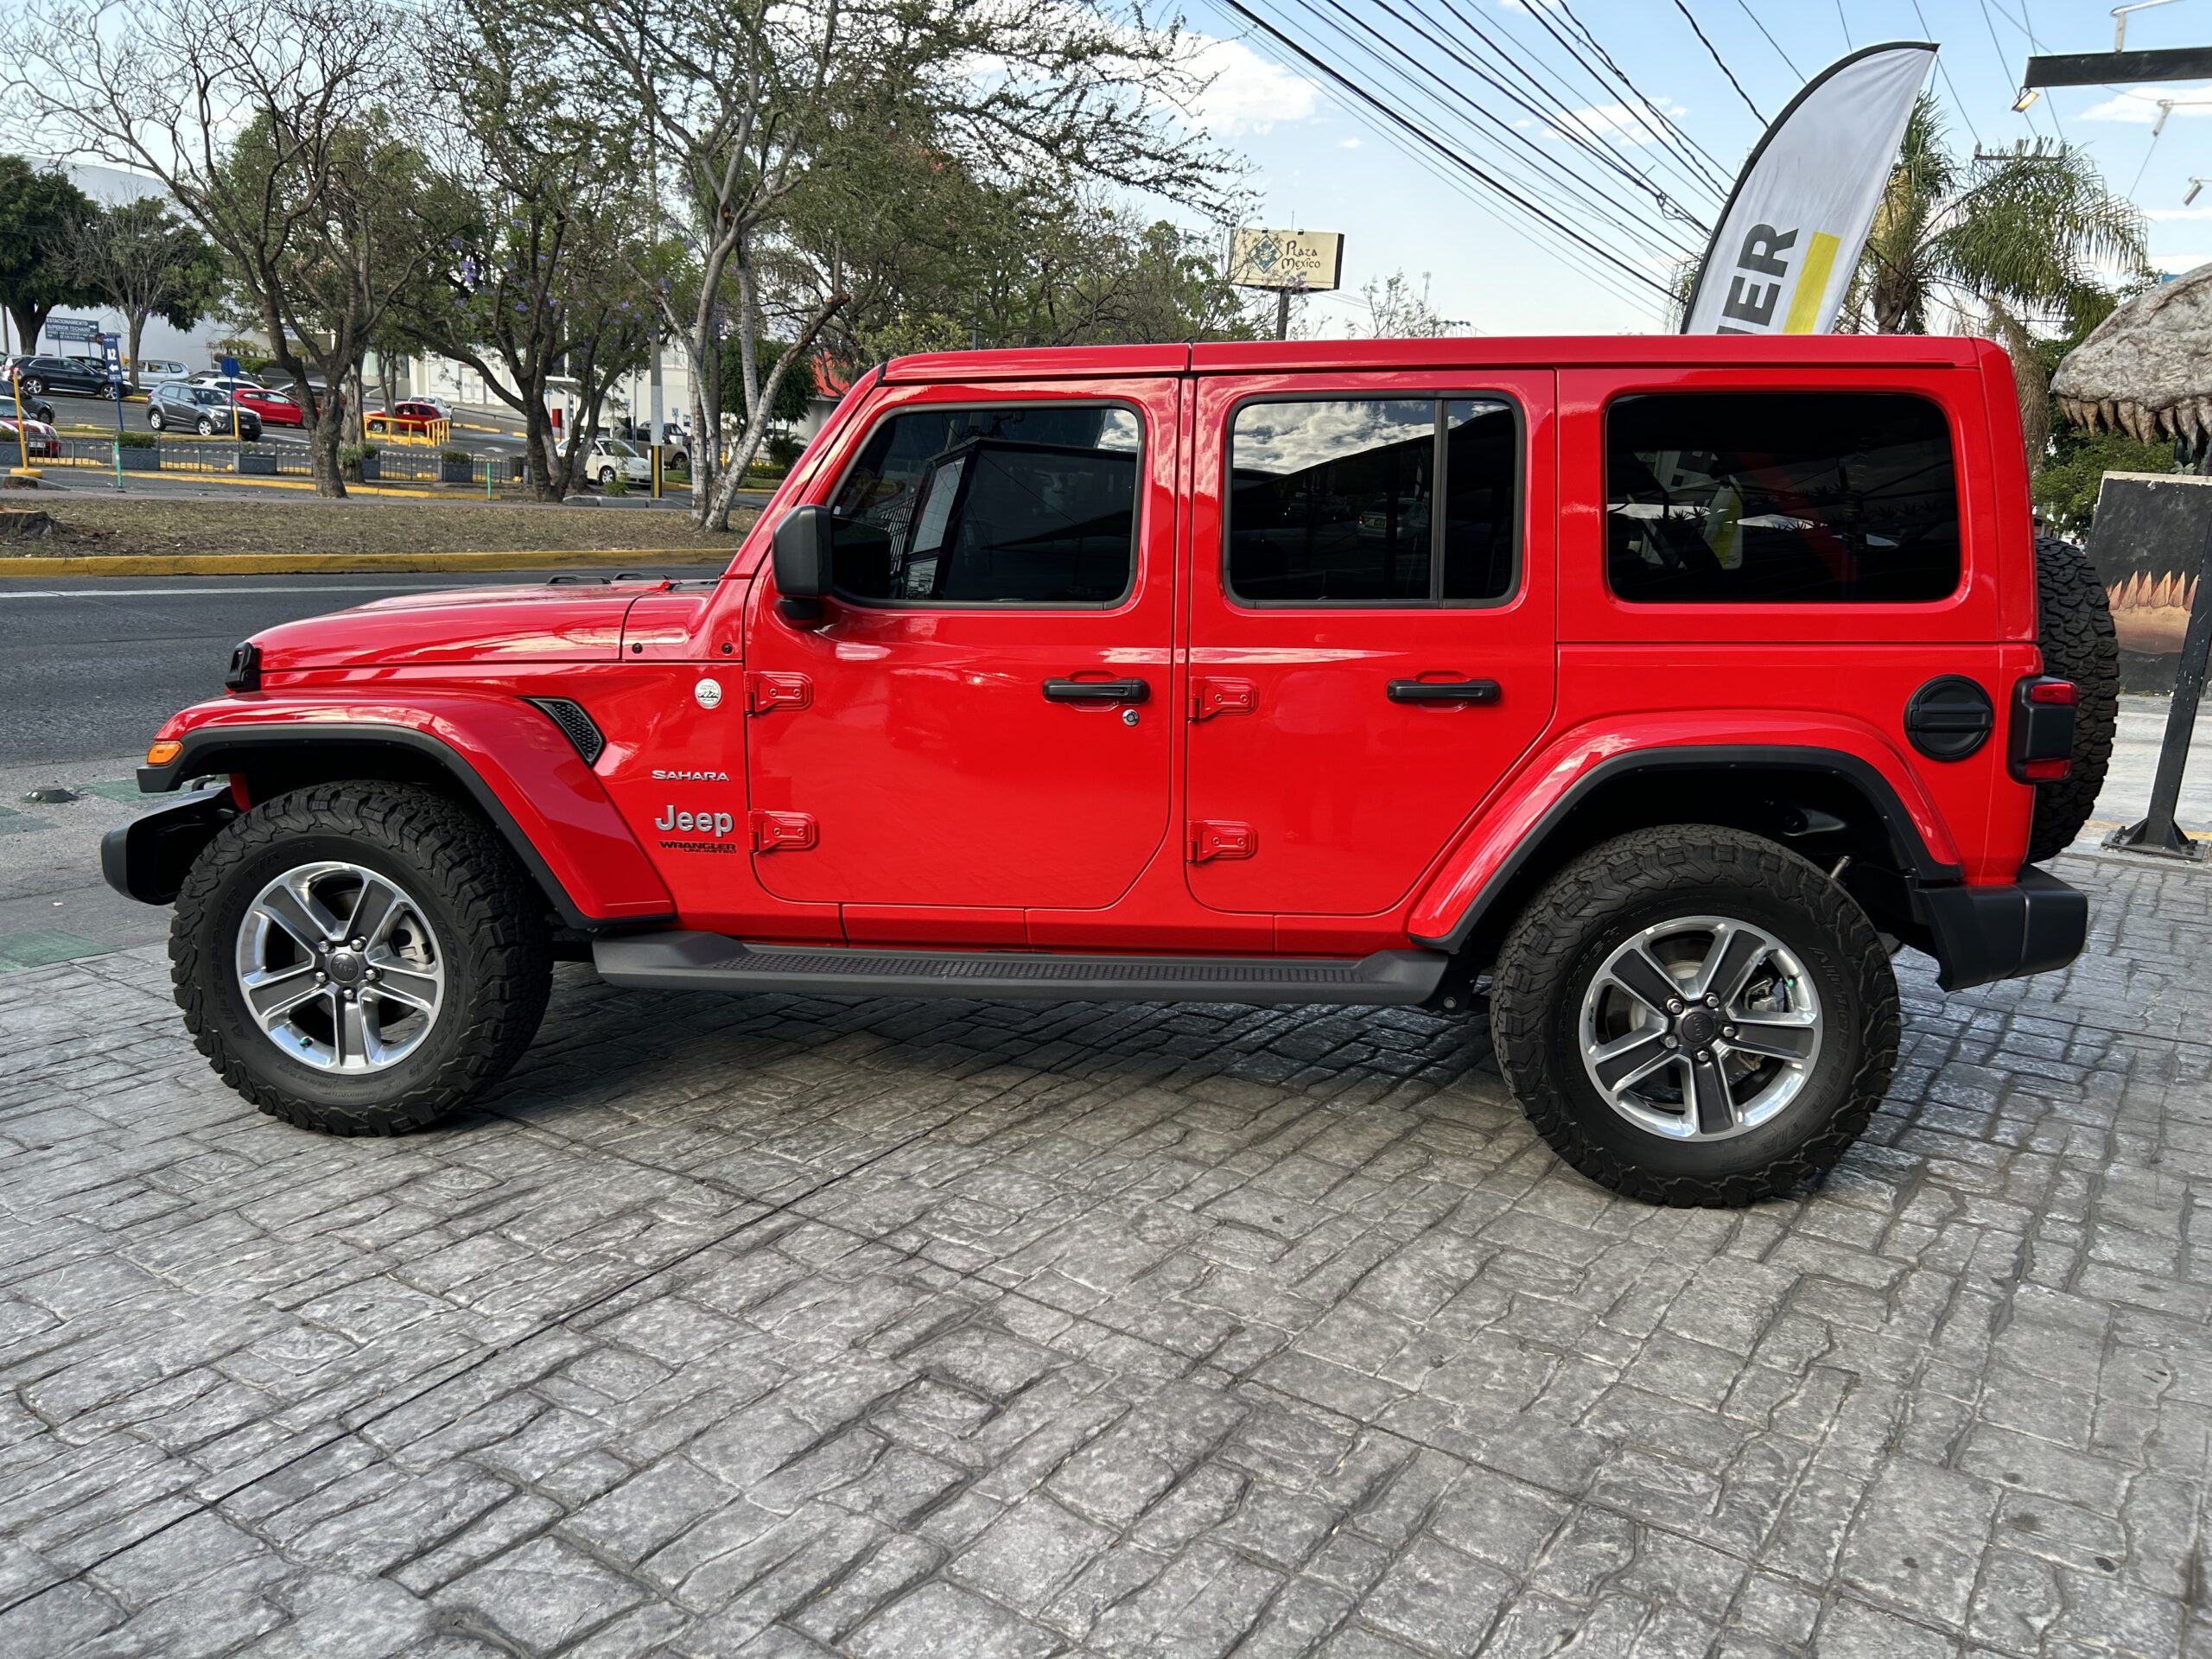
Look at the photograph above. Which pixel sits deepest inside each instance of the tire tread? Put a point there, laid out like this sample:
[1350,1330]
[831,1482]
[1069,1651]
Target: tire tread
[500,915]
[1536,960]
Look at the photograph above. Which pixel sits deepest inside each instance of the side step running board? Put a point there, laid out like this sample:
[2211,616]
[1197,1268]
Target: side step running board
[712,961]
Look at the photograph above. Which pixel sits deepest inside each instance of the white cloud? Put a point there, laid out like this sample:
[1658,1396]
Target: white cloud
[1632,125]
[1350,143]
[2138,106]
[2175,264]
[2177,213]
[1245,92]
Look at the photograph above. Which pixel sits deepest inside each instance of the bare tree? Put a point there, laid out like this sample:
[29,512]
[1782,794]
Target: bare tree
[262,122]
[742,103]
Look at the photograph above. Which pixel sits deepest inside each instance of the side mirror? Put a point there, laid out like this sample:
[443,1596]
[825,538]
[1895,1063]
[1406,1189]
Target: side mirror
[802,544]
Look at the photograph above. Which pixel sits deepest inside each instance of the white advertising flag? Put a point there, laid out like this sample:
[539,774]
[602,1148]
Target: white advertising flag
[1792,233]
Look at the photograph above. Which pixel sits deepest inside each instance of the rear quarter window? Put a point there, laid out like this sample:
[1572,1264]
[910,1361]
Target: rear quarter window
[1780,498]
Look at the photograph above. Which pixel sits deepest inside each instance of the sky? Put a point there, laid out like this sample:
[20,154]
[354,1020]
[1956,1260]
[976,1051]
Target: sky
[1321,161]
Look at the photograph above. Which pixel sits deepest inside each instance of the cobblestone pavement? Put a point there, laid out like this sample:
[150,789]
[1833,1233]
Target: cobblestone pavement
[784,1327]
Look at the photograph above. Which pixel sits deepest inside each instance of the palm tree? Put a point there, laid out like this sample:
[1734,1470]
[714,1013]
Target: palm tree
[2024,240]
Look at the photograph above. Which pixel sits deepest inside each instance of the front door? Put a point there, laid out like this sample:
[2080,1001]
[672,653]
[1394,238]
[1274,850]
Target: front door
[981,718]
[1371,631]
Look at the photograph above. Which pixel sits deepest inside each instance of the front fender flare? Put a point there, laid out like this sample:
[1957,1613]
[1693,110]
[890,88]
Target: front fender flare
[1537,802]
[507,755]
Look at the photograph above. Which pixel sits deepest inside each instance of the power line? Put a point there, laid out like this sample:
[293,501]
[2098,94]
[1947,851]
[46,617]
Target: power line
[1665,133]
[1682,6]
[1420,101]
[1944,70]
[2004,65]
[1771,40]
[1605,206]
[1523,59]
[1448,152]
[1621,74]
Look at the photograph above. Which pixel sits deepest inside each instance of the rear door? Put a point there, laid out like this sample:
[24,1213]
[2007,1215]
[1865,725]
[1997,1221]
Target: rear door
[1371,633]
[981,721]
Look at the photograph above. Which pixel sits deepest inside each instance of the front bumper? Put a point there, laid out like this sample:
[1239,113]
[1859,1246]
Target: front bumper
[147,858]
[1977,935]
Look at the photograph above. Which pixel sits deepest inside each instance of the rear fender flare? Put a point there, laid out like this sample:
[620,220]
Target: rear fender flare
[1510,834]
[507,756]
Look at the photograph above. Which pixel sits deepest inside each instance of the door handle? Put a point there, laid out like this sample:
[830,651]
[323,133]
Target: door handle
[1444,691]
[1096,690]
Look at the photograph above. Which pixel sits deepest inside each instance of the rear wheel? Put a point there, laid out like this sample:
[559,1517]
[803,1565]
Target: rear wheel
[360,958]
[2074,631]
[206,427]
[36,387]
[154,419]
[1694,1015]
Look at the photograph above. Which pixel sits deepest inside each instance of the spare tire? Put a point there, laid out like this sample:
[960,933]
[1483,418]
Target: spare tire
[2074,628]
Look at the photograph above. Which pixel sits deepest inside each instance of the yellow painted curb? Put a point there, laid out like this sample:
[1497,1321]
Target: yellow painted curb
[297,564]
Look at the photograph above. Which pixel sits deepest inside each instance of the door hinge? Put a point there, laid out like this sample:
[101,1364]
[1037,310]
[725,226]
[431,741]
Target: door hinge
[1212,838]
[783,832]
[764,690]
[1210,697]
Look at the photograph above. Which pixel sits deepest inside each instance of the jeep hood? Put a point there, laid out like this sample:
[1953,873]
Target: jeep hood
[562,623]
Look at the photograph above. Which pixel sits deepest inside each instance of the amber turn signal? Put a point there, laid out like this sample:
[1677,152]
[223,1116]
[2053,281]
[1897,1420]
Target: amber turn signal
[161,754]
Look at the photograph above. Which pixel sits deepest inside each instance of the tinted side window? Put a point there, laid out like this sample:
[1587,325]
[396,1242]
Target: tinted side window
[1780,498]
[1374,501]
[1031,505]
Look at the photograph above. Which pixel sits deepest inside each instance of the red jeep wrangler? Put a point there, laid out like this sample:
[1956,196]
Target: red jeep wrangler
[1666,685]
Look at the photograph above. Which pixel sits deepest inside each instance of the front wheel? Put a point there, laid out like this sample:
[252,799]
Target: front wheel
[206,427]
[360,958]
[35,388]
[1694,1015]
[154,419]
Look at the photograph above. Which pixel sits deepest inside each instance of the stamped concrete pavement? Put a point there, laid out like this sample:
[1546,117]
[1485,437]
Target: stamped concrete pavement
[788,1327]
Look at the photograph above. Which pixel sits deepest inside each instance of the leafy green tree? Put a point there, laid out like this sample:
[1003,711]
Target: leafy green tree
[2013,247]
[2033,231]
[542,275]
[743,104]
[146,262]
[42,217]
[264,124]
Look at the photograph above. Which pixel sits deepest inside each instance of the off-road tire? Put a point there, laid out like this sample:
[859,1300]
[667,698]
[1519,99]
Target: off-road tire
[2074,628]
[1621,886]
[488,919]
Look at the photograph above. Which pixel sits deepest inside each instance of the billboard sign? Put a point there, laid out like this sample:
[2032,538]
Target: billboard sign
[84,330]
[1302,261]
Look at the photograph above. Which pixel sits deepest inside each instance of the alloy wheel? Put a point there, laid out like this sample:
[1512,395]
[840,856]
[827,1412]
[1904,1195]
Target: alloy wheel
[1700,1029]
[340,969]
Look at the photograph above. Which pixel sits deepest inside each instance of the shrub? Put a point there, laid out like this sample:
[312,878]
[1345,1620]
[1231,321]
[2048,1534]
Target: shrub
[130,439]
[455,455]
[352,454]
[784,449]
[616,483]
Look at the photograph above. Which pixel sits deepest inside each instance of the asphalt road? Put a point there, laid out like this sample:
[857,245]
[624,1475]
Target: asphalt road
[474,429]
[90,668]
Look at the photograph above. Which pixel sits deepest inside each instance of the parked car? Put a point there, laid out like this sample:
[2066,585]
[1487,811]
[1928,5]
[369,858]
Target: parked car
[40,374]
[409,417]
[152,371]
[181,406]
[39,441]
[222,382]
[36,409]
[1729,664]
[608,456]
[274,408]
